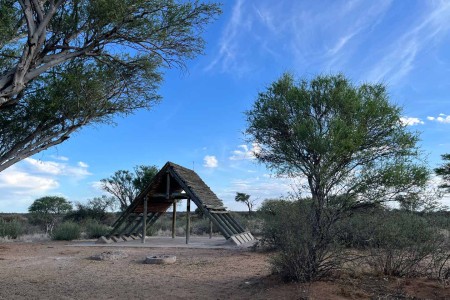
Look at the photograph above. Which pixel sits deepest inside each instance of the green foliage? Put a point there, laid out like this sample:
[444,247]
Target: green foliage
[86,62]
[302,255]
[95,209]
[95,230]
[11,229]
[50,205]
[125,185]
[444,172]
[66,231]
[349,144]
[9,19]
[405,244]
[47,210]
[339,136]
[143,175]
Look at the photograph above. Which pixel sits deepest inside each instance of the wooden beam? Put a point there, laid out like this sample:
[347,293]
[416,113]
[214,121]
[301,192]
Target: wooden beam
[210,228]
[144,221]
[172,196]
[188,220]
[227,223]
[168,186]
[236,224]
[227,231]
[150,221]
[174,219]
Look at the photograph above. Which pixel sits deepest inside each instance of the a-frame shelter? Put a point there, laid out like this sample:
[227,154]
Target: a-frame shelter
[171,183]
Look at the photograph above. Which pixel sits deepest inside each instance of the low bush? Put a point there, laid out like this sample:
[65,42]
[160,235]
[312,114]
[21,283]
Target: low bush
[95,230]
[67,231]
[11,228]
[303,253]
[405,244]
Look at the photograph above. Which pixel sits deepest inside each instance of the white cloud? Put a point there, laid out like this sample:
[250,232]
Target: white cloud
[83,165]
[442,118]
[210,161]
[57,168]
[20,182]
[30,179]
[410,121]
[244,153]
[97,185]
[58,157]
[19,189]
[45,167]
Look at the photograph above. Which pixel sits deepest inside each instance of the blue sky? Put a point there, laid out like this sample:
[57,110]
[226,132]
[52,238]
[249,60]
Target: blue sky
[200,122]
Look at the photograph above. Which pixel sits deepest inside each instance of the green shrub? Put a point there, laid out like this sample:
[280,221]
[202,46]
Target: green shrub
[405,244]
[95,230]
[303,254]
[67,231]
[11,229]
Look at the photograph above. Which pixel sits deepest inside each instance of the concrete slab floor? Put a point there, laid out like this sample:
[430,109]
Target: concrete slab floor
[169,242]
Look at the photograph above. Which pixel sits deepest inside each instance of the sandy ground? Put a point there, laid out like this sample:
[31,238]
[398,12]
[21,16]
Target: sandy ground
[58,270]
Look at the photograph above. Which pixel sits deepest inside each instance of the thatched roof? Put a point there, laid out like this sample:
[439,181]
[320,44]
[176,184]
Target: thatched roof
[183,183]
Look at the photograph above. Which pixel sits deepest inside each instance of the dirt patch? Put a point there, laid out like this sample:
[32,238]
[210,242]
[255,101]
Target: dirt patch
[53,270]
[110,255]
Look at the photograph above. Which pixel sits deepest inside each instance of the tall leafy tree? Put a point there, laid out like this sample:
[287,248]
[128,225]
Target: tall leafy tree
[47,210]
[444,172]
[346,141]
[125,185]
[65,64]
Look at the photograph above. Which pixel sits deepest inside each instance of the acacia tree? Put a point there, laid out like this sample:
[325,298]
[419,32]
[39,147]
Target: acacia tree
[65,64]
[46,211]
[245,198]
[125,185]
[348,143]
[444,172]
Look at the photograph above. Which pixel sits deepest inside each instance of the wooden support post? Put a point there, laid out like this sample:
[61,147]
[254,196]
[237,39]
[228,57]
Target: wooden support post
[144,221]
[188,220]
[223,227]
[210,228]
[174,219]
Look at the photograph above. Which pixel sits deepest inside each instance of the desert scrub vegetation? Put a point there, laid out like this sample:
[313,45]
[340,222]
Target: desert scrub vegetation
[12,228]
[382,241]
[93,229]
[300,255]
[66,231]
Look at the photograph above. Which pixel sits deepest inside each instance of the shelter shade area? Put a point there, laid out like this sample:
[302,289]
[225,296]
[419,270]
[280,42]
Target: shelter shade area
[172,183]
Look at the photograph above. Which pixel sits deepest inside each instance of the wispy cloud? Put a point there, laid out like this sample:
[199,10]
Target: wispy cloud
[399,58]
[290,31]
[229,47]
[311,38]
